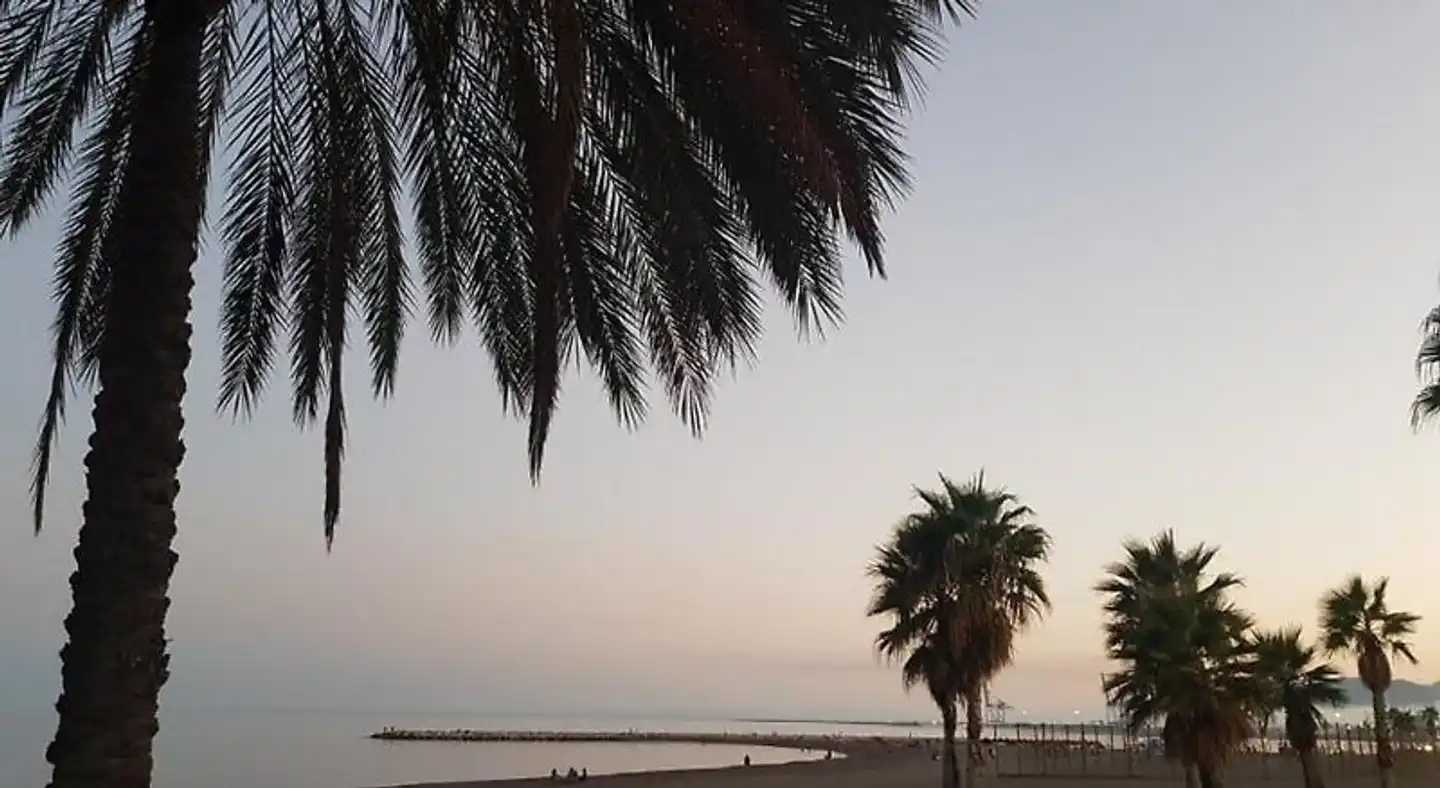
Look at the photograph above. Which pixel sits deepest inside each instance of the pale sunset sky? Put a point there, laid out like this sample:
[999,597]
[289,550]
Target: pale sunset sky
[1163,266]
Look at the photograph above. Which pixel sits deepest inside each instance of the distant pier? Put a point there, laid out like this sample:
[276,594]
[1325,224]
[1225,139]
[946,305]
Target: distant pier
[840,745]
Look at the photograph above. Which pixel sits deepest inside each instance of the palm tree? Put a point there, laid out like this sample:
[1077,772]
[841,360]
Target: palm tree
[1005,593]
[590,177]
[1356,619]
[1404,726]
[913,589]
[1430,718]
[1182,645]
[959,583]
[1300,684]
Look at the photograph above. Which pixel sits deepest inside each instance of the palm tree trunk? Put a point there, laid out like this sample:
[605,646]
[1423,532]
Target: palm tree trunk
[1192,775]
[115,662]
[1211,775]
[1384,750]
[1310,768]
[950,767]
[973,731]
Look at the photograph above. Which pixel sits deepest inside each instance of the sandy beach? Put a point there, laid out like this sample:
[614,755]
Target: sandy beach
[901,771]
[879,762]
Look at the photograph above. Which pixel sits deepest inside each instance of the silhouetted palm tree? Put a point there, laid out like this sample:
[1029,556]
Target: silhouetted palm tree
[1430,718]
[1182,647]
[1300,684]
[1356,619]
[1404,727]
[590,178]
[1158,567]
[1004,591]
[958,581]
[1426,405]
[913,588]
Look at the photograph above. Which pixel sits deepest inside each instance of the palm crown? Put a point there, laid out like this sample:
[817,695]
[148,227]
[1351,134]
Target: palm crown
[963,566]
[1182,647]
[1356,618]
[591,179]
[1426,405]
[1296,680]
[1154,569]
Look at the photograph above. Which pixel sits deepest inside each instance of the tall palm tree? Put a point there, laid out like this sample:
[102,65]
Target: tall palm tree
[591,178]
[1356,619]
[1299,684]
[1182,647]
[913,589]
[958,580]
[1005,593]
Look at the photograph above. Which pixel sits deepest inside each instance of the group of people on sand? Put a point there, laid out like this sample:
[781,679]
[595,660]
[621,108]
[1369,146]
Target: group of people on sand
[584,774]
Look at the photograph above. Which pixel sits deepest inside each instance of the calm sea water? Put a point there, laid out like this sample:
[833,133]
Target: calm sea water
[272,749]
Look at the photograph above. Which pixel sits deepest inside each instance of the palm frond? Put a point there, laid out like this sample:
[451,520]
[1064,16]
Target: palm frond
[591,181]
[218,59]
[81,269]
[24,30]
[259,210]
[73,66]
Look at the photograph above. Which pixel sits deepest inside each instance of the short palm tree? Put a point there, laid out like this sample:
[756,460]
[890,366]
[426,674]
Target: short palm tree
[1356,619]
[1430,719]
[958,580]
[1299,684]
[1404,727]
[1182,649]
[591,179]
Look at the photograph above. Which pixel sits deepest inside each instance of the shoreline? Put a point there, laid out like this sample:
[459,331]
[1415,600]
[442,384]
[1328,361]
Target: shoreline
[852,754]
[900,762]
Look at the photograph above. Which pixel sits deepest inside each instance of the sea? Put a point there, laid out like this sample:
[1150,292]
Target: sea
[328,749]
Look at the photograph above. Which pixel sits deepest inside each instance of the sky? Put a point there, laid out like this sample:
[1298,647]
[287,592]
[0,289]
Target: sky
[1163,267]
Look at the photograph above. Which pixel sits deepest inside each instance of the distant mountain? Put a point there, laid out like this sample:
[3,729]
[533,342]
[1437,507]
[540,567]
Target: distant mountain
[1402,693]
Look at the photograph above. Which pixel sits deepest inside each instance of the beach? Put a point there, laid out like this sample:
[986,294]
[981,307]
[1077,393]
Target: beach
[910,770]
[895,762]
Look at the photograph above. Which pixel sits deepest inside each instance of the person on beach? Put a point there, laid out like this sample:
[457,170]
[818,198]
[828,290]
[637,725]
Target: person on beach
[747,759]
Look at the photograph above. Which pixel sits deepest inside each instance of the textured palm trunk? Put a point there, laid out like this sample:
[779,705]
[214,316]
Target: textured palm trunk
[949,764]
[1310,769]
[1384,750]
[115,662]
[973,732]
[1210,775]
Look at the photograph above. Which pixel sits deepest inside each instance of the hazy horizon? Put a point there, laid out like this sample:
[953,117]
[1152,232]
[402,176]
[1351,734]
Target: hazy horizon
[1163,267]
